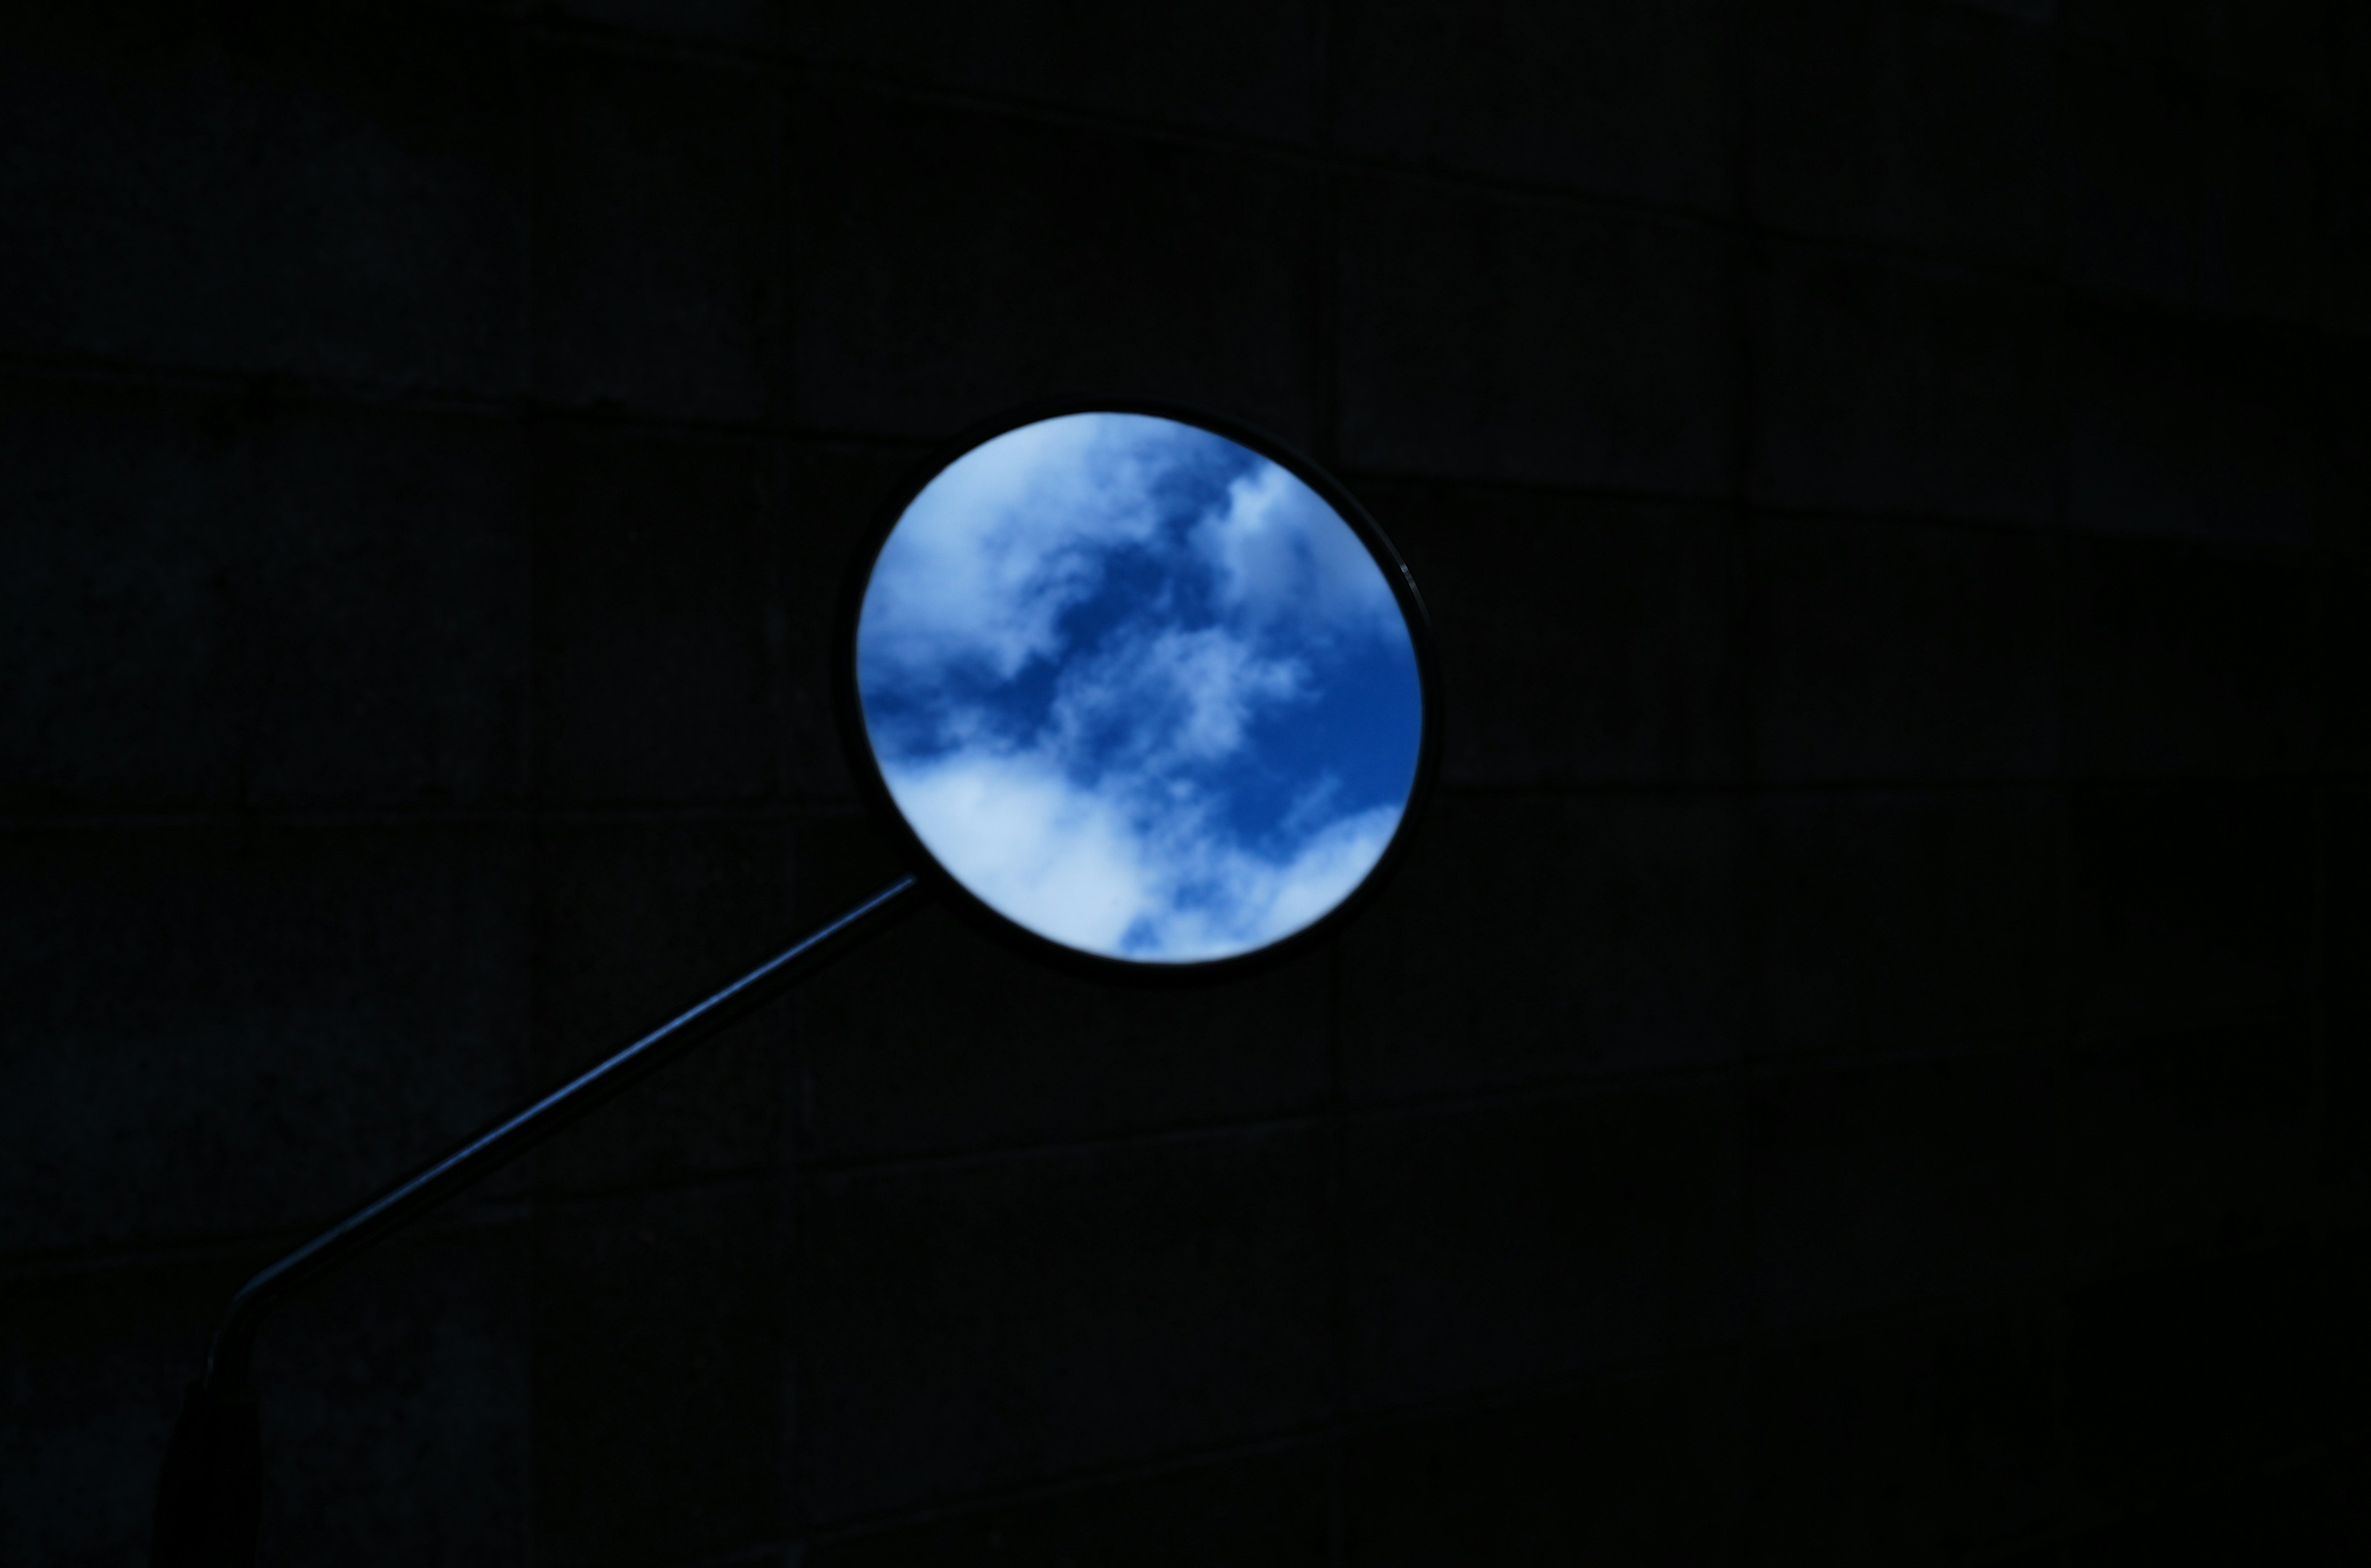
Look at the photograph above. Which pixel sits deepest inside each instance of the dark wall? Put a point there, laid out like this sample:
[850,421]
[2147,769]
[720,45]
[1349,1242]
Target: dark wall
[1868,1063]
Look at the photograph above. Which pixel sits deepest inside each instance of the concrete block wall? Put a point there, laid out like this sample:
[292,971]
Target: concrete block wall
[1868,1063]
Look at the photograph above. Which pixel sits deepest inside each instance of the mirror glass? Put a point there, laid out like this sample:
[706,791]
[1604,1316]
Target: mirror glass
[1139,688]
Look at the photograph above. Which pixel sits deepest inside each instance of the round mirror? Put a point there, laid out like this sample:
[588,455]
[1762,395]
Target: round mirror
[1146,686]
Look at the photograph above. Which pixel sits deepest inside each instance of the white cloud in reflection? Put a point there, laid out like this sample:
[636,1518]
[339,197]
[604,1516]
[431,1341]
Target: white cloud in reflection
[1139,688]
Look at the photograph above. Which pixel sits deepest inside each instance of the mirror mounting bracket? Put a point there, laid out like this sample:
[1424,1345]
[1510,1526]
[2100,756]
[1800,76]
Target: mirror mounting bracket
[208,1499]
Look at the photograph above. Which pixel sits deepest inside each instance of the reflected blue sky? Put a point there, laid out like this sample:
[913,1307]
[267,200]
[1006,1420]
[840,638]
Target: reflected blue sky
[1139,688]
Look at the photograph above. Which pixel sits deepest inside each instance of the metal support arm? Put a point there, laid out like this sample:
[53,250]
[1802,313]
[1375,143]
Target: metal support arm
[208,1501]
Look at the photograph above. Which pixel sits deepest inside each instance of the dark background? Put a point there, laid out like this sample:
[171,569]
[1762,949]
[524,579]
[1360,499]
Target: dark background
[1866,1065]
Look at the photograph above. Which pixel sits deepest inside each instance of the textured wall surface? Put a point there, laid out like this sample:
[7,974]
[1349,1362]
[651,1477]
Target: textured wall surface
[1870,1061]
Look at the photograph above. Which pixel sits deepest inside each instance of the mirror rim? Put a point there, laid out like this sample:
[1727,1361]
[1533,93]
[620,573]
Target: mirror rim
[857,744]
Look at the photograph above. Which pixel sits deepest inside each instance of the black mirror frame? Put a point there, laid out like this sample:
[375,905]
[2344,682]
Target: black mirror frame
[857,744]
